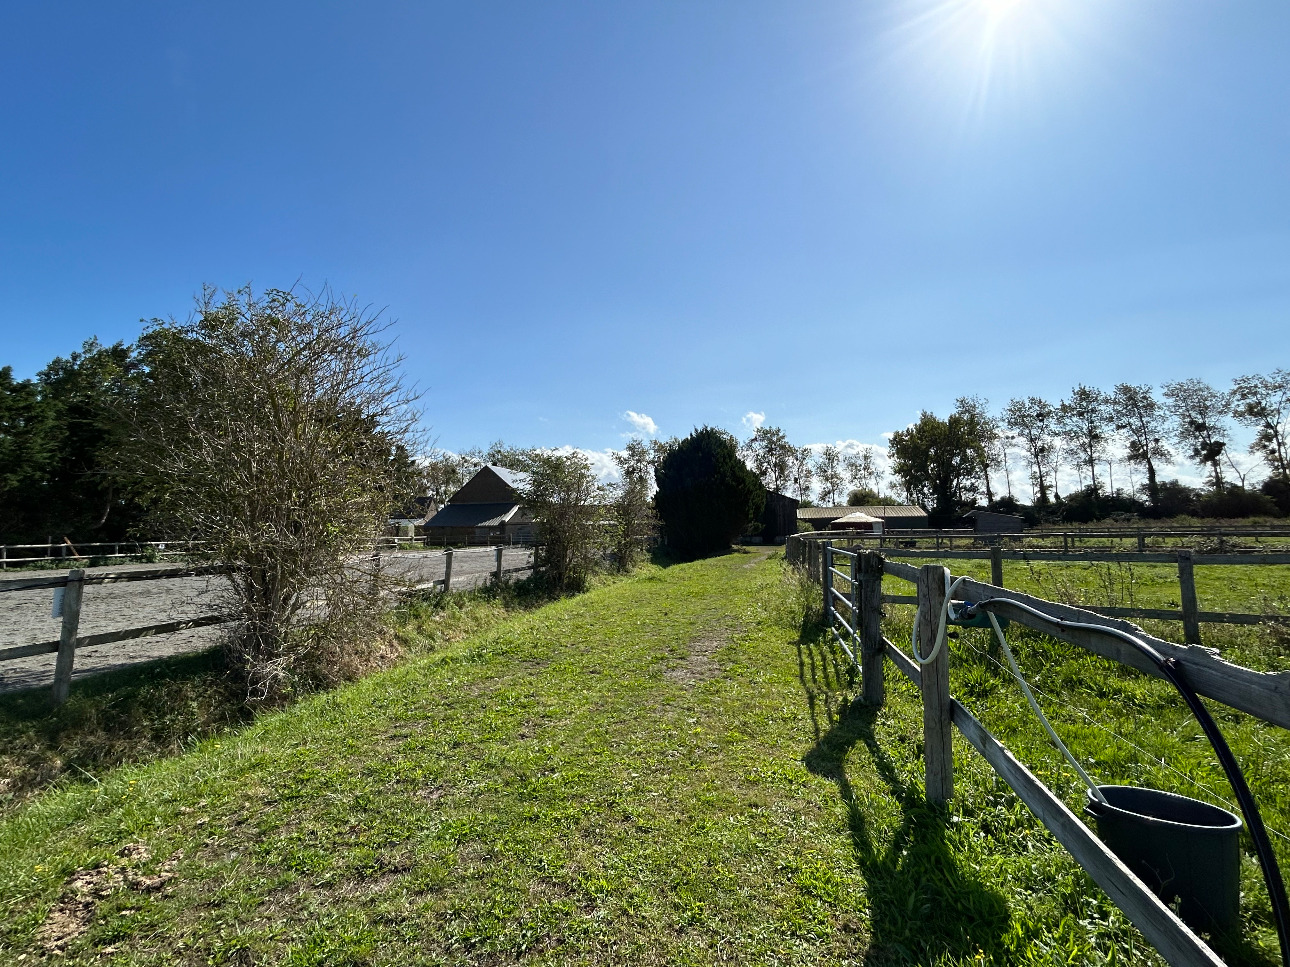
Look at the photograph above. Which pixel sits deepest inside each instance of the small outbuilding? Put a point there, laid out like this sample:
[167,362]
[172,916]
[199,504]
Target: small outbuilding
[405,521]
[991,522]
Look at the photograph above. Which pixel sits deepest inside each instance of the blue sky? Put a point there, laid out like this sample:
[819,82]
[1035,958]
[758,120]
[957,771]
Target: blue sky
[832,214]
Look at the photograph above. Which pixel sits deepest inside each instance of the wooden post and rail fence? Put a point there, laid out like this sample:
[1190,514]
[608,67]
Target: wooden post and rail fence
[805,547]
[1224,538]
[1263,695]
[69,590]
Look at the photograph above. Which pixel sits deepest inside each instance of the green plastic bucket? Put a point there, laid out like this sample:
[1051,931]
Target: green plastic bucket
[1185,850]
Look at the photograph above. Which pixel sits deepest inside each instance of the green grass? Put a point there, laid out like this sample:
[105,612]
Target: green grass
[1254,589]
[667,769]
[165,707]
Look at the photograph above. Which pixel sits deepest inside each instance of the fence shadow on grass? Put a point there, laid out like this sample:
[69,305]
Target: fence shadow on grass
[923,907]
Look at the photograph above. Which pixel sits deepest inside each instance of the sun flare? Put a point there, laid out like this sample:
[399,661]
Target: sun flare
[994,54]
[997,9]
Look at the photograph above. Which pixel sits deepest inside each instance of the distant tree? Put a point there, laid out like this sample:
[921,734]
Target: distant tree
[659,449]
[938,462]
[1145,425]
[26,448]
[1007,441]
[275,429]
[803,473]
[441,473]
[974,410]
[865,497]
[1055,467]
[632,518]
[862,469]
[1177,499]
[1278,491]
[1234,502]
[1083,421]
[1263,404]
[1200,423]
[828,471]
[770,456]
[636,460]
[706,494]
[1034,421]
[568,503]
[84,393]
[56,434]
[500,454]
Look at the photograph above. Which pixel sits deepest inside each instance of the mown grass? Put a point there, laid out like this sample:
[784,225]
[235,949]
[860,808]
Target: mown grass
[667,769]
[165,707]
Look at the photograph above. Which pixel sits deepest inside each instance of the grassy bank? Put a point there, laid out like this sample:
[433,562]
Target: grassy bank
[166,707]
[664,770]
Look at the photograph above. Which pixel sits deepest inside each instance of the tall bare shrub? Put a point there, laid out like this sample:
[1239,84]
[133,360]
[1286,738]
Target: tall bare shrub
[276,429]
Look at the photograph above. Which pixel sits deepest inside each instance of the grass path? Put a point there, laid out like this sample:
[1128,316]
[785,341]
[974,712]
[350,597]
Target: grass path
[654,772]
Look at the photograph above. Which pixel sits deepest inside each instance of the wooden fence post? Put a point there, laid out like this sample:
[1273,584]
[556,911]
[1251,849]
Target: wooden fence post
[1142,542]
[67,639]
[497,573]
[826,574]
[872,660]
[996,566]
[1190,608]
[447,569]
[938,754]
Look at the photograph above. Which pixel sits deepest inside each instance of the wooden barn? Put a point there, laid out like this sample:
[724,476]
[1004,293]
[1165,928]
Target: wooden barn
[486,510]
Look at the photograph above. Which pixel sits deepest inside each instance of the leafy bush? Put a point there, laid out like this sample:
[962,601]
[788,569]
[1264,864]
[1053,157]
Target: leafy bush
[706,494]
[1279,492]
[1237,502]
[567,501]
[1090,504]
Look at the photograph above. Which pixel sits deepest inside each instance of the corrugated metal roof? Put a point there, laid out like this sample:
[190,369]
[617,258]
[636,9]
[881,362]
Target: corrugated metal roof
[878,511]
[473,515]
[902,510]
[823,513]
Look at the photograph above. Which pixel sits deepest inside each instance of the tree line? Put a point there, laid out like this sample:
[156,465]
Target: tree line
[947,464]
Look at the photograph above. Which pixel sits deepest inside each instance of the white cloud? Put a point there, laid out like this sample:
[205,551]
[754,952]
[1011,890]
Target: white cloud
[602,462]
[640,422]
[753,420]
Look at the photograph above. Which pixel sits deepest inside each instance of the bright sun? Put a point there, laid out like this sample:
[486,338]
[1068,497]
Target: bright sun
[994,9]
[981,52]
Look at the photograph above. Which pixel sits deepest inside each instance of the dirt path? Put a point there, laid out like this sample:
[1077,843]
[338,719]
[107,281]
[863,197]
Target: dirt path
[25,615]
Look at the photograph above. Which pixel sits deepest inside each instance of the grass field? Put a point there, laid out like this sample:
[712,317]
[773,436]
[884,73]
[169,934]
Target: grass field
[667,769]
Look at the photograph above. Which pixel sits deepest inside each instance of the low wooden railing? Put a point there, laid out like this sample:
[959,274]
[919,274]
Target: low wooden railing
[72,587]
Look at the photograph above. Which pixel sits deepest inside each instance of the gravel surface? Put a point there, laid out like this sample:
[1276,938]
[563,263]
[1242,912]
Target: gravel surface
[25,615]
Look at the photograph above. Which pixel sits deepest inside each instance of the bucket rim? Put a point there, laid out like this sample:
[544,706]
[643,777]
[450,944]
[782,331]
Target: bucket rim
[1095,807]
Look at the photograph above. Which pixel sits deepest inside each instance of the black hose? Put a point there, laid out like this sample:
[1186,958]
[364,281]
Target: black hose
[1173,672]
